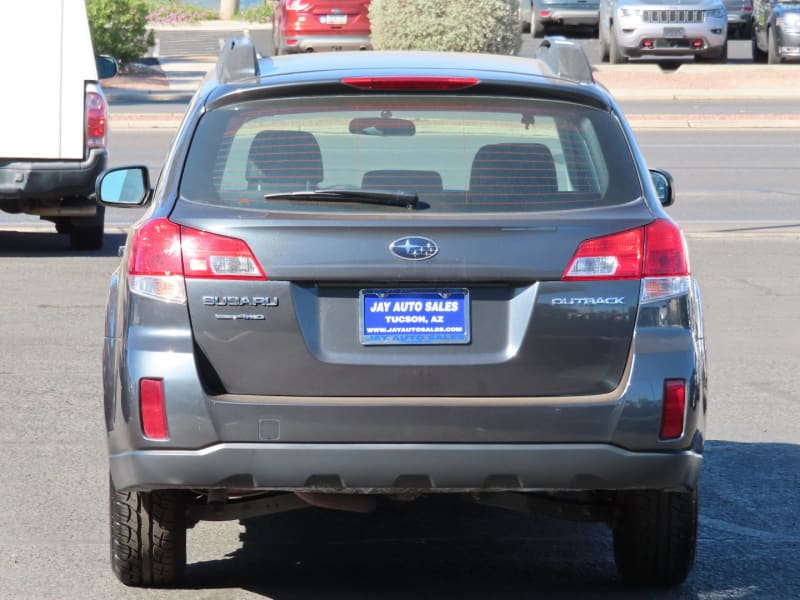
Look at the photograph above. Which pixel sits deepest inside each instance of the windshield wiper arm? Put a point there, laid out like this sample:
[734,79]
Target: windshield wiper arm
[383,197]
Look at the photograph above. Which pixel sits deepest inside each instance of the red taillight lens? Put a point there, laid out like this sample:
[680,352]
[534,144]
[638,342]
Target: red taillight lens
[665,252]
[96,120]
[411,84]
[156,249]
[153,410]
[163,253]
[674,409]
[617,256]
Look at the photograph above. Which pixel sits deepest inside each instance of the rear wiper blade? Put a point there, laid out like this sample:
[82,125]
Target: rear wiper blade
[383,197]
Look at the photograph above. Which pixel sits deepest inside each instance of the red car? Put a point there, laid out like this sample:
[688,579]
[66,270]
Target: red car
[318,25]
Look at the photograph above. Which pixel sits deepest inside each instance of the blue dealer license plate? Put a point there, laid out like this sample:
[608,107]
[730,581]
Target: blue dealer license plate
[413,317]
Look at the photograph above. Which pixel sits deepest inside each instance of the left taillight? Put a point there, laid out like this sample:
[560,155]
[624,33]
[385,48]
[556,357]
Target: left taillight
[655,253]
[164,254]
[96,118]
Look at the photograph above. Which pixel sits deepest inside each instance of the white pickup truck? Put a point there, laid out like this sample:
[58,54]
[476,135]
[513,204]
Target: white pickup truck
[53,118]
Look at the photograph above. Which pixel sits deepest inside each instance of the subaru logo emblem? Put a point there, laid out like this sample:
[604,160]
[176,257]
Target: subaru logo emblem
[414,248]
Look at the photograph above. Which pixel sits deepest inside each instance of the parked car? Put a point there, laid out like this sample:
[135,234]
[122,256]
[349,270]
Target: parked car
[572,13]
[740,18]
[776,30]
[399,274]
[635,28]
[320,25]
[55,124]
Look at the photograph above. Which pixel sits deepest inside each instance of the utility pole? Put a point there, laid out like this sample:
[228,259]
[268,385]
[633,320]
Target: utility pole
[227,9]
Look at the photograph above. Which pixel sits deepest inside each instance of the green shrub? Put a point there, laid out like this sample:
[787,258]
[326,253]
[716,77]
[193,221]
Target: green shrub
[451,25]
[119,28]
[175,12]
[260,13]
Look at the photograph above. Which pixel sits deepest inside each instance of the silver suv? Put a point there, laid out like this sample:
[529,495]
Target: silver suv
[635,28]
[390,275]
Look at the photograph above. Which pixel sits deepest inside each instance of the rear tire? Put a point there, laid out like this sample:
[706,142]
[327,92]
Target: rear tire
[615,55]
[148,536]
[63,224]
[604,48]
[773,56]
[86,233]
[759,56]
[656,536]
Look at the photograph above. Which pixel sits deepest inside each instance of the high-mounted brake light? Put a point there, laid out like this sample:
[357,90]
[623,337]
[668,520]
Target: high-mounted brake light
[673,412]
[411,84]
[164,253]
[656,254]
[96,118]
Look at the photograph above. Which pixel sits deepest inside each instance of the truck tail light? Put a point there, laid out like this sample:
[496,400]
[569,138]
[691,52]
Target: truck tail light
[655,253]
[96,117]
[164,254]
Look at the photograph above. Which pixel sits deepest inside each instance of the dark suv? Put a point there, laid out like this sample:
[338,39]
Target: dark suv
[392,275]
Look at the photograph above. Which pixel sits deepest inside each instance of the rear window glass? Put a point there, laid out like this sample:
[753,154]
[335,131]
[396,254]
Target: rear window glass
[457,154]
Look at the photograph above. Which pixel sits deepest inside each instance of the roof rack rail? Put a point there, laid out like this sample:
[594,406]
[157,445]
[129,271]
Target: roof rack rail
[237,60]
[565,58]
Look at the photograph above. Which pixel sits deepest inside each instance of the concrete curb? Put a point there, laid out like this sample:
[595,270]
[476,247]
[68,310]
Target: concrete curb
[701,82]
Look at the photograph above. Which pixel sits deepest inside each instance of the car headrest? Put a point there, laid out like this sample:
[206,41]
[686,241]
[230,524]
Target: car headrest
[512,171]
[284,160]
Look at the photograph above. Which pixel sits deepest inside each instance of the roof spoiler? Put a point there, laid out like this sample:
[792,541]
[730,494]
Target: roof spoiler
[237,61]
[565,58]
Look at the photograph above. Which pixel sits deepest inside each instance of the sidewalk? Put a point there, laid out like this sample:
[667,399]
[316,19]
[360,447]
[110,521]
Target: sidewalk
[184,54]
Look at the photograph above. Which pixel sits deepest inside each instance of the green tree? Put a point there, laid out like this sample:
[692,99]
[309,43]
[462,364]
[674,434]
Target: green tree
[450,25]
[119,28]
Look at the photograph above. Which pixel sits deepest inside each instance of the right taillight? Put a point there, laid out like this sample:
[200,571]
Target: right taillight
[655,253]
[163,254]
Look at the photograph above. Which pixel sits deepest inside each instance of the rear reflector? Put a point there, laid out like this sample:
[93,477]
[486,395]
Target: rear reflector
[674,409]
[164,253]
[410,84]
[153,411]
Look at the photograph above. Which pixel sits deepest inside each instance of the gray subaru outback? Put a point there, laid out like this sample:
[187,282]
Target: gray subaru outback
[396,275]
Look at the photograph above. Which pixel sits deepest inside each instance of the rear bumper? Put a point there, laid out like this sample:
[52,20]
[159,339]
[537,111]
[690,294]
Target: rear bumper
[566,15]
[326,43]
[712,38]
[375,468]
[20,179]
[789,43]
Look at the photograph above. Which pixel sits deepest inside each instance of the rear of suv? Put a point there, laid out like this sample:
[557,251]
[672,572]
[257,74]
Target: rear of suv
[320,25]
[388,274]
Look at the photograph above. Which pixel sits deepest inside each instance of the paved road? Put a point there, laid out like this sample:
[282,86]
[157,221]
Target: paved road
[737,198]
